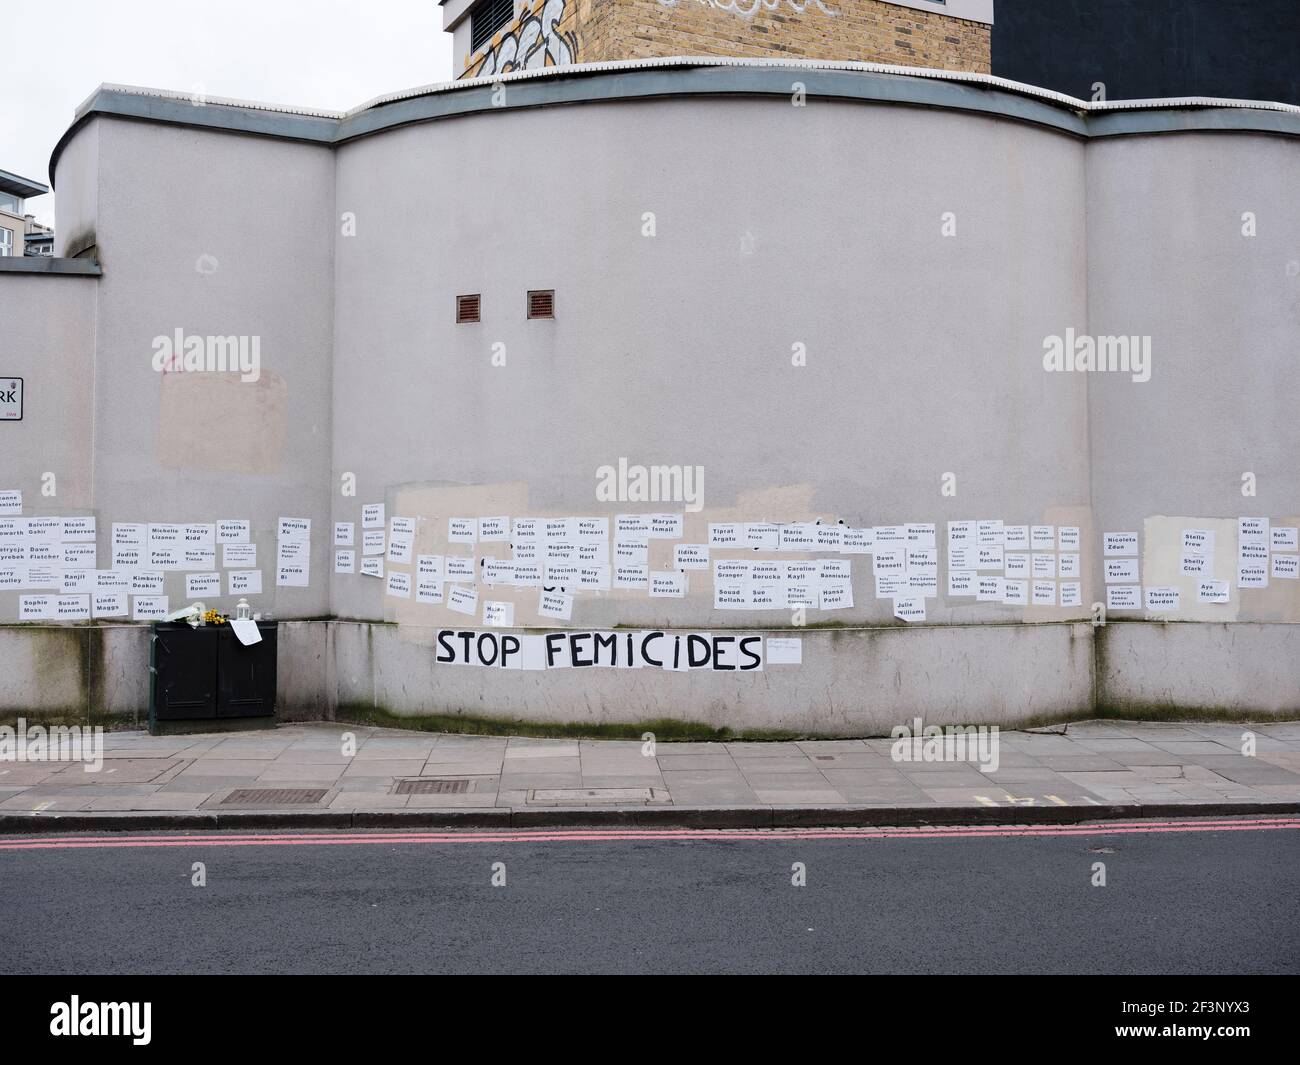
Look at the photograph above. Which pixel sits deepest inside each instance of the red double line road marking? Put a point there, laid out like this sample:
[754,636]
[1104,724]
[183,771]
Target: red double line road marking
[219,838]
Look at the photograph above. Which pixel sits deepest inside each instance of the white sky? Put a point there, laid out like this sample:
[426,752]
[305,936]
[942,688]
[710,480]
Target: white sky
[316,53]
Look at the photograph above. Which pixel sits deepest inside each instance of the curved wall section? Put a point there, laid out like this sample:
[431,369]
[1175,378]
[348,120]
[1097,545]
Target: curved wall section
[782,235]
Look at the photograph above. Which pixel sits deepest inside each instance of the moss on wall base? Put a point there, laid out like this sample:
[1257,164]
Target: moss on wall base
[665,730]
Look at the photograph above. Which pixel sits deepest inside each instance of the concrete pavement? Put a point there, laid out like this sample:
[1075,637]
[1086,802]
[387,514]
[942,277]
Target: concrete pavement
[332,774]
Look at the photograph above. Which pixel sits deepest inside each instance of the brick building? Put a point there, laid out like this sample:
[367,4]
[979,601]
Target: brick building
[498,36]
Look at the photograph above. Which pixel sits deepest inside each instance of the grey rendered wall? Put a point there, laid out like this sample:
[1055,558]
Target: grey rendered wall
[92,673]
[48,329]
[924,357]
[78,192]
[852,682]
[1147,669]
[775,226]
[217,234]
[1168,259]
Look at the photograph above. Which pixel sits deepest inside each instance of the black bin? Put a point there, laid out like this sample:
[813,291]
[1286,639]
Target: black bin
[206,673]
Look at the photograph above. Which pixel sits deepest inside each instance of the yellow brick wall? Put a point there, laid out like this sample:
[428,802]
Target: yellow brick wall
[553,32]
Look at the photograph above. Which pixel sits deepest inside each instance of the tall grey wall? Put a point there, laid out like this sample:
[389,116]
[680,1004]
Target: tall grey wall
[47,323]
[918,255]
[923,351]
[216,234]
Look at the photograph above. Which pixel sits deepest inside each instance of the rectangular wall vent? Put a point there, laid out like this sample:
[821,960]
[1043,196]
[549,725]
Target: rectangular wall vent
[541,303]
[467,308]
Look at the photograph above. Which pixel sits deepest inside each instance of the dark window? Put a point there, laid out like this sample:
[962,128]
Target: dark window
[541,303]
[486,18]
[467,309]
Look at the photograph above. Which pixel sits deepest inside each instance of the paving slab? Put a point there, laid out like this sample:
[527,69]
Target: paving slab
[1076,768]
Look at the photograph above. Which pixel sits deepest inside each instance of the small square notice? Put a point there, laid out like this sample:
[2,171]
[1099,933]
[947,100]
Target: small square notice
[784,651]
[11,399]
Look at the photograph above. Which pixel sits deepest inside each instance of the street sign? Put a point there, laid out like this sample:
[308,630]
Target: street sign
[11,399]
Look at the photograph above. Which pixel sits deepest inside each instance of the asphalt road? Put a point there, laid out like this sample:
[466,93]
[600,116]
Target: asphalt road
[1179,901]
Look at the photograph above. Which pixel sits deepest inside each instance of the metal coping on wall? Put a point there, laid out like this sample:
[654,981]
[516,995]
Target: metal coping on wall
[646,78]
[48,264]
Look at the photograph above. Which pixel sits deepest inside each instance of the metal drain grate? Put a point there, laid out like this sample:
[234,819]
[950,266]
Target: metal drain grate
[432,786]
[274,796]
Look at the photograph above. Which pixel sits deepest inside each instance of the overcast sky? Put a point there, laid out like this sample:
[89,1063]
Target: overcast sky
[316,53]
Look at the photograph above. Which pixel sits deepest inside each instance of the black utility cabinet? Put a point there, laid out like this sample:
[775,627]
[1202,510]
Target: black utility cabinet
[206,673]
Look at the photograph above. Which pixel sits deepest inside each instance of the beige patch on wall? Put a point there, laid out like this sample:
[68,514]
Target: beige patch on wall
[431,506]
[1162,542]
[1162,557]
[215,422]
